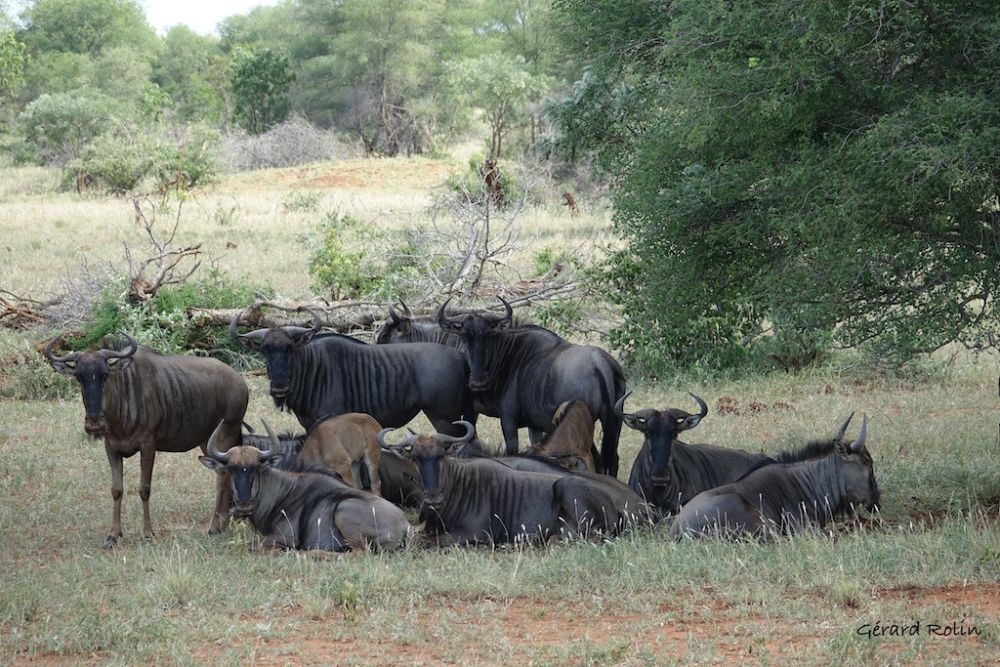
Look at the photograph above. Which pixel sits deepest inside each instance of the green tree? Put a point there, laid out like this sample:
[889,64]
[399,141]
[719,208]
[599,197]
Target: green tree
[190,70]
[60,125]
[259,82]
[502,87]
[87,26]
[790,175]
[13,56]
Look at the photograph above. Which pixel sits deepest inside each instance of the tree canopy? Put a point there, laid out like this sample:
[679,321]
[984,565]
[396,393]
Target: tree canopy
[793,175]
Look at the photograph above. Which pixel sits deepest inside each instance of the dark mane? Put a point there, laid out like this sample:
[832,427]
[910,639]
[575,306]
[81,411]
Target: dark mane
[811,450]
[333,334]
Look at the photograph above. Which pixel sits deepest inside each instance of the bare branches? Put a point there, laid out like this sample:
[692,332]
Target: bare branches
[165,259]
[18,312]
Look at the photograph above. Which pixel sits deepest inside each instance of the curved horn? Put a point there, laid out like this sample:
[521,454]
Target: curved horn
[72,356]
[701,404]
[859,442]
[509,317]
[213,451]
[381,436]
[317,320]
[275,443]
[406,309]
[470,430]
[393,315]
[248,339]
[839,435]
[445,321]
[132,348]
[620,405]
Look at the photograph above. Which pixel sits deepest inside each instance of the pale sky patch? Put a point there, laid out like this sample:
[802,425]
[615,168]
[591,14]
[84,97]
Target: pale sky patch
[202,16]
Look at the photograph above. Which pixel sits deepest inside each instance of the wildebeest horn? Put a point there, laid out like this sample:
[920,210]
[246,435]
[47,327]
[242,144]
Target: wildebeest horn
[386,431]
[115,354]
[620,405]
[248,339]
[509,317]
[72,356]
[444,320]
[470,430]
[213,451]
[859,442]
[406,309]
[839,435]
[317,320]
[393,315]
[275,443]
[701,404]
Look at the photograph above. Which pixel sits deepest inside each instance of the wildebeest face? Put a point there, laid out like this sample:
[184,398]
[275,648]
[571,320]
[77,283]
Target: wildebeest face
[397,327]
[242,464]
[277,345]
[858,472]
[91,370]
[427,451]
[661,429]
[475,329]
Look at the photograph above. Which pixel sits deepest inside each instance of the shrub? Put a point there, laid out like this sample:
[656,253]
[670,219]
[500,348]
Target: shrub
[470,185]
[294,142]
[61,124]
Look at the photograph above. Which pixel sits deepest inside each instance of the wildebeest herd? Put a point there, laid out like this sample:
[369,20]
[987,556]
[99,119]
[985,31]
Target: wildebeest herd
[344,484]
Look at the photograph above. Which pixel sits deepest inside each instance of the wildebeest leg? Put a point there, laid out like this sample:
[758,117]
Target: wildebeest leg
[229,435]
[509,428]
[611,425]
[535,435]
[147,455]
[117,489]
[372,461]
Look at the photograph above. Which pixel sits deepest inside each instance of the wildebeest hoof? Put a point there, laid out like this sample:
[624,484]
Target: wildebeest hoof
[110,541]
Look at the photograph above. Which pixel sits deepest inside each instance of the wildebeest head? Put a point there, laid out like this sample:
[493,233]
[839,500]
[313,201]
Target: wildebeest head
[277,345]
[475,328]
[396,327]
[661,428]
[91,369]
[426,451]
[242,464]
[858,471]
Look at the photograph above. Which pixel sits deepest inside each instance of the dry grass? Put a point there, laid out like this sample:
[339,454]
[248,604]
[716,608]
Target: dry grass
[190,599]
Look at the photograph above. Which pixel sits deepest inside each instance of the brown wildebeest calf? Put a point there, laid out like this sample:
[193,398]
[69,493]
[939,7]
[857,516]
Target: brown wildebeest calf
[571,439]
[342,444]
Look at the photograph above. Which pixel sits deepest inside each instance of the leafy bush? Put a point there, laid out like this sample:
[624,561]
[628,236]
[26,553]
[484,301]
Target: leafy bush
[470,185]
[350,259]
[27,376]
[122,159]
[163,323]
[61,124]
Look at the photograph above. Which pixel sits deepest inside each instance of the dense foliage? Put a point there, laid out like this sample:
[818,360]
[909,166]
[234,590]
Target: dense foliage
[793,175]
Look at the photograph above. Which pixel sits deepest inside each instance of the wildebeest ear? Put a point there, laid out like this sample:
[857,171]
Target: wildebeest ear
[211,463]
[690,422]
[64,367]
[119,363]
[634,421]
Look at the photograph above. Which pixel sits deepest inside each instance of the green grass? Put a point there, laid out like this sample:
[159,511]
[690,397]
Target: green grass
[189,598]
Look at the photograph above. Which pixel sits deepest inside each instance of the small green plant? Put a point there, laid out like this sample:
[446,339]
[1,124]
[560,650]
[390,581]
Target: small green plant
[302,201]
[471,186]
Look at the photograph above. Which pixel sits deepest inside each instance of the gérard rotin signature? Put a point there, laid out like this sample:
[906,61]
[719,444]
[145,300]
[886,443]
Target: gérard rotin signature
[879,630]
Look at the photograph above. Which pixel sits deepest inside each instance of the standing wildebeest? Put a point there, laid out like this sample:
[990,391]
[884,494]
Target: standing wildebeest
[343,444]
[316,375]
[305,509]
[570,441]
[146,402]
[668,472]
[787,496]
[483,501]
[405,328]
[522,374]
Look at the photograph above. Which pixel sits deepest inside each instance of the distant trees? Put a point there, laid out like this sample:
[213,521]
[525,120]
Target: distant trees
[259,82]
[791,176]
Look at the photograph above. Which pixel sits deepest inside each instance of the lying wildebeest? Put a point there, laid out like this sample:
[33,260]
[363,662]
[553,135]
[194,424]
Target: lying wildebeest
[668,472]
[343,444]
[570,440]
[522,374]
[146,402]
[304,509]
[480,500]
[398,478]
[785,497]
[317,374]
